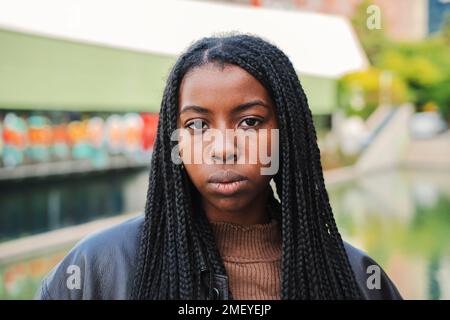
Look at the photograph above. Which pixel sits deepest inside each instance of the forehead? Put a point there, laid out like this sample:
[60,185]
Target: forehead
[211,85]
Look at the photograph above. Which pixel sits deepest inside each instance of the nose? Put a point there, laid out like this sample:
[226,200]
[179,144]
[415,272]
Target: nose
[224,148]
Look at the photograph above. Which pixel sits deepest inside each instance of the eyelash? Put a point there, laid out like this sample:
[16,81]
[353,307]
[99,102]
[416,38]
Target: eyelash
[189,124]
[258,120]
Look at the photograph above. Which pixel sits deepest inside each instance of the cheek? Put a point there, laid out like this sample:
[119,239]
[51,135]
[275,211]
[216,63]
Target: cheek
[259,147]
[196,173]
[259,182]
[273,142]
[191,148]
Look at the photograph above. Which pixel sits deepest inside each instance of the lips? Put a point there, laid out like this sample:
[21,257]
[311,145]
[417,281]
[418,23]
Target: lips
[226,176]
[226,182]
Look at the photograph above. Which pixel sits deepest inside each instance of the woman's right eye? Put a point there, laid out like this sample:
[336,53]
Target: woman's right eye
[196,125]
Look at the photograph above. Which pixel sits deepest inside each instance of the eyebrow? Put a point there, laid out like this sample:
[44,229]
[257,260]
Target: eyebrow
[239,108]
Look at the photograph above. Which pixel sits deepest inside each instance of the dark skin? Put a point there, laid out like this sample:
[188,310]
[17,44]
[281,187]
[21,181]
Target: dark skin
[212,97]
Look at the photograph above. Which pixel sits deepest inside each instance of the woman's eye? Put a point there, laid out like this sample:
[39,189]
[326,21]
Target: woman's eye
[250,122]
[196,125]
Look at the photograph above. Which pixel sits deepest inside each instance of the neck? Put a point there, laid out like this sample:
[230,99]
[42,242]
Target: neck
[255,212]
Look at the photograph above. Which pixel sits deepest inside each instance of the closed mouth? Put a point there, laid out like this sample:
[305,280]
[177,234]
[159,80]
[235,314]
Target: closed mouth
[226,176]
[227,182]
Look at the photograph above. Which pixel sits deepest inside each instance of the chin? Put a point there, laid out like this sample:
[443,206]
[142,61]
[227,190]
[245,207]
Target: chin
[230,204]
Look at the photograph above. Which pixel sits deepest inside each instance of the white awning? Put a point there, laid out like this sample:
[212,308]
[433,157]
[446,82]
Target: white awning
[318,44]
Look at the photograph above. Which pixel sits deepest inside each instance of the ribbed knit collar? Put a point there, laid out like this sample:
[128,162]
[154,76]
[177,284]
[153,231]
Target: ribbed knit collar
[248,244]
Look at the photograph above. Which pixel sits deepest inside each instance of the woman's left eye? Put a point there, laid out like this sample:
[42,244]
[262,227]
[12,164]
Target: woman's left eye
[250,122]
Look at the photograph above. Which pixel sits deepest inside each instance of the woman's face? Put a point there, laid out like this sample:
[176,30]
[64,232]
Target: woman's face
[218,107]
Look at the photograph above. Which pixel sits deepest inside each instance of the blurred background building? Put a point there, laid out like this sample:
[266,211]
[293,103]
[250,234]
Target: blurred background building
[81,85]
[404,19]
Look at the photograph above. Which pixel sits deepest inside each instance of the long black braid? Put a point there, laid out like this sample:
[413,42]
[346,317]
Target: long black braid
[177,244]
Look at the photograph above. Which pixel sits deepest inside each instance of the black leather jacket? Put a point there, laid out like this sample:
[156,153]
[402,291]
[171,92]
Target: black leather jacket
[104,263]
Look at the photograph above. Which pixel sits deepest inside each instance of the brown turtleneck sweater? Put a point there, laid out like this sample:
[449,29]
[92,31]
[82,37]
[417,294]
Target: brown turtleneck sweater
[252,258]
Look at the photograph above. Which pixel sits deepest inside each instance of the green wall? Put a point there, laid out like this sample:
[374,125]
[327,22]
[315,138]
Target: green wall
[43,73]
[321,93]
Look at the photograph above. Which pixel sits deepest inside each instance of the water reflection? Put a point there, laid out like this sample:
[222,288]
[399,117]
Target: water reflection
[402,219]
[41,206]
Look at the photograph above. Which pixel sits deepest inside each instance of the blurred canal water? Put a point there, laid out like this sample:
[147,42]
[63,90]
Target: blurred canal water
[400,218]
[40,206]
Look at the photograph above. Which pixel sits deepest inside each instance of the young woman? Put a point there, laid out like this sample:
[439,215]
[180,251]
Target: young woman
[214,229]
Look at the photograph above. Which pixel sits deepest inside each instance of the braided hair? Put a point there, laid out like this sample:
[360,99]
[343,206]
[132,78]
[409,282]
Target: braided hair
[177,244]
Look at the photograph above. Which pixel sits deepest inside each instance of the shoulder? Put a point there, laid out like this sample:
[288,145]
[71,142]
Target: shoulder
[372,280]
[99,266]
